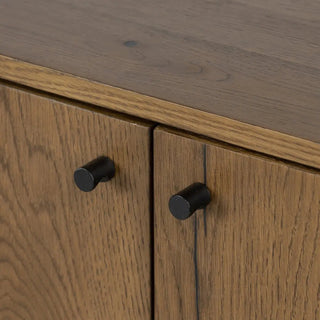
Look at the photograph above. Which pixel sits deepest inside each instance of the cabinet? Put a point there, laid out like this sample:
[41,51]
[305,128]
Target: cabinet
[219,95]
[64,253]
[253,252]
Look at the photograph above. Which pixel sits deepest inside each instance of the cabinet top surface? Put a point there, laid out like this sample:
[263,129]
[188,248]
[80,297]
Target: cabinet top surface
[257,62]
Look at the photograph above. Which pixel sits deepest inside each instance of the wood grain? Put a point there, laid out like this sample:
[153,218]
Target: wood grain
[209,124]
[253,253]
[255,62]
[241,59]
[66,254]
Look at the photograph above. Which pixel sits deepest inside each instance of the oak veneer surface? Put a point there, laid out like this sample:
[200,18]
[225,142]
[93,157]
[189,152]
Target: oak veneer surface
[67,254]
[253,253]
[256,62]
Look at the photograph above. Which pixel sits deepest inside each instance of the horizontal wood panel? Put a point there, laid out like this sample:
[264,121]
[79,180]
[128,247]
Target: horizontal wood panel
[67,254]
[253,253]
[250,61]
[208,124]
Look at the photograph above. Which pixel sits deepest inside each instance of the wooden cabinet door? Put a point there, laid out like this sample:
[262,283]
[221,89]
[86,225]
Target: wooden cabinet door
[67,254]
[253,253]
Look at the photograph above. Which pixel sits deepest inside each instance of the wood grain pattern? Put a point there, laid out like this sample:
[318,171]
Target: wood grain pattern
[66,254]
[241,59]
[254,253]
[209,124]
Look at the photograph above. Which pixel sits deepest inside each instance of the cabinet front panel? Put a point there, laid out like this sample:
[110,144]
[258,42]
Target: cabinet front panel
[64,253]
[253,252]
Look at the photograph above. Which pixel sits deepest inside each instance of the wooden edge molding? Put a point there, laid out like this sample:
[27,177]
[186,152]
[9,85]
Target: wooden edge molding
[211,125]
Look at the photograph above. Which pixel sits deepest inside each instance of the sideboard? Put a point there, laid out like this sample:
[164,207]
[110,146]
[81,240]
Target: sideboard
[159,160]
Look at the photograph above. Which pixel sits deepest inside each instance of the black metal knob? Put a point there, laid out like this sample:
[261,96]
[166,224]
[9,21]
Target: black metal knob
[183,204]
[99,170]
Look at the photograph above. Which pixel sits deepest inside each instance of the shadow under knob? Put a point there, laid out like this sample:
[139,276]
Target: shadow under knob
[98,170]
[183,204]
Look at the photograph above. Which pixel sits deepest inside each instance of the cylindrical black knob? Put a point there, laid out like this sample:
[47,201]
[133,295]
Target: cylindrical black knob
[183,204]
[99,170]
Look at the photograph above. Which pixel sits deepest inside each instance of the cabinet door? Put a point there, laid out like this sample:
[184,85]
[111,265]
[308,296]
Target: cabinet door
[253,252]
[67,254]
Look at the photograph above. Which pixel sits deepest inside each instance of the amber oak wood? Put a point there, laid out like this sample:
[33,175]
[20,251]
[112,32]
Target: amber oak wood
[67,254]
[242,59]
[253,62]
[253,253]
